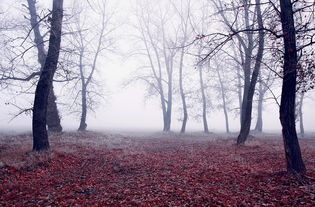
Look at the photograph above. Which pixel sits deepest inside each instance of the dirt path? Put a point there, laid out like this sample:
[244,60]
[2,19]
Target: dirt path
[95,169]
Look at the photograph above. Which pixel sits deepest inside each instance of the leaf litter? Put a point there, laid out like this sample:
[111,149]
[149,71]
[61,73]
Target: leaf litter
[104,169]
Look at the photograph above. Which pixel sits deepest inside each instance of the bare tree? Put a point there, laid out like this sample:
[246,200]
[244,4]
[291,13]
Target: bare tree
[200,27]
[53,119]
[204,100]
[247,45]
[223,92]
[87,42]
[160,50]
[25,39]
[249,86]
[184,13]
[264,84]
[287,107]
[40,137]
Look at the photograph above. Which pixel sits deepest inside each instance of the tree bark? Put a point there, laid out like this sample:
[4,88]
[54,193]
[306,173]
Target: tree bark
[287,106]
[53,118]
[249,94]
[40,136]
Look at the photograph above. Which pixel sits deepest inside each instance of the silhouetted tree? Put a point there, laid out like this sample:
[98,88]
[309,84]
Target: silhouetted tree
[40,136]
[53,119]
[249,87]
[287,106]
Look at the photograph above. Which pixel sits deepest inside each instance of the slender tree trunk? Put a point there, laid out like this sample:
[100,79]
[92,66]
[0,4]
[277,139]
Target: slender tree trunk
[248,96]
[204,102]
[259,123]
[83,124]
[239,92]
[301,115]
[168,58]
[224,102]
[287,106]
[182,93]
[40,136]
[169,104]
[53,118]
[248,50]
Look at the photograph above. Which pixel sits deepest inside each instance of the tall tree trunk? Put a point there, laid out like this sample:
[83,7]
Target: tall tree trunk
[301,115]
[53,118]
[40,136]
[182,93]
[204,101]
[169,104]
[259,123]
[249,94]
[287,106]
[224,102]
[83,125]
[248,50]
[239,92]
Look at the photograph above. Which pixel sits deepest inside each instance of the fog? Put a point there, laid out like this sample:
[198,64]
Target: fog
[127,107]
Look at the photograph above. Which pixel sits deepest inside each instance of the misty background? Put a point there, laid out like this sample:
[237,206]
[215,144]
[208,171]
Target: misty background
[125,105]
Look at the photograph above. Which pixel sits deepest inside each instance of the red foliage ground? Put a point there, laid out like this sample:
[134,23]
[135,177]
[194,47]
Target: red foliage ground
[152,171]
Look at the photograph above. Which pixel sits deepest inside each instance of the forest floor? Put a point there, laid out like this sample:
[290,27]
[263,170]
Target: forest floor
[104,169]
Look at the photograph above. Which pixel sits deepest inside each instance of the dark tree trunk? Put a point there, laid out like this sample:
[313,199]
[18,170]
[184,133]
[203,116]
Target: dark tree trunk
[301,115]
[287,106]
[204,102]
[247,67]
[40,137]
[53,119]
[249,94]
